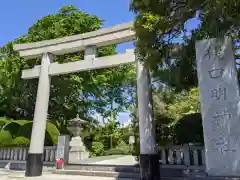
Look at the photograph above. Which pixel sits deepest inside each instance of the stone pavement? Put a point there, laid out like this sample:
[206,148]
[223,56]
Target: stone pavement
[47,175]
[95,160]
[122,160]
[19,175]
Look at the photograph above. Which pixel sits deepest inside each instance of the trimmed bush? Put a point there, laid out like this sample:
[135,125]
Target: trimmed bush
[51,136]
[6,139]
[123,145]
[12,127]
[20,131]
[25,130]
[97,149]
[22,141]
[21,122]
[53,132]
[116,152]
[184,134]
[3,120]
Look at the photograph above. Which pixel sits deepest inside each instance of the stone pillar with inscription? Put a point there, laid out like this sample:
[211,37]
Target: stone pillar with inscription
[220,107]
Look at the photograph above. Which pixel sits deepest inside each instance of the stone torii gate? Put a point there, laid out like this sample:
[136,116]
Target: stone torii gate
[88,42]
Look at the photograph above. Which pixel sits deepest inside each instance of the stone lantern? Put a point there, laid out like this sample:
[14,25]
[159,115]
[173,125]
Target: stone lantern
[77,150]
[76,126]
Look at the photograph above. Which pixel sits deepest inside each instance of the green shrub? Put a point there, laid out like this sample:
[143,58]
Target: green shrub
[20,131]
[12,127]
[88,140]
[22,122]
[25,130]
[22,141]
[51,136]
[3,121]
[97,149]
[116,152]
[123,145]
[136,148]
[53,132]
[6,138]
[184,134]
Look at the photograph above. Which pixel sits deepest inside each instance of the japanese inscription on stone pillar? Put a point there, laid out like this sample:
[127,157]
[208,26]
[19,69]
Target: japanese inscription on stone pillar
[220,107]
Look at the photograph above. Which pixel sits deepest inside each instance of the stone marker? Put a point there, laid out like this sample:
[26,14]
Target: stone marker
[63,147]
[219,94]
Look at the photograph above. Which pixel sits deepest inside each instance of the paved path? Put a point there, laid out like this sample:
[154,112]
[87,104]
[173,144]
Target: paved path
[98,159]
[14,175]
[123,160]
[47,175]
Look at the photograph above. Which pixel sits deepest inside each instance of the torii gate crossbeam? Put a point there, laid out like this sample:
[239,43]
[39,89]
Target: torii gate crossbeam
[88,42]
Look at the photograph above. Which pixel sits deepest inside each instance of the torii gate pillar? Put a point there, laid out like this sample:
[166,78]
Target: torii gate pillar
[149,162]
[34,159]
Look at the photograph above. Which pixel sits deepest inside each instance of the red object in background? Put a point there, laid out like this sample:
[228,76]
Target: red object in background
[60,163]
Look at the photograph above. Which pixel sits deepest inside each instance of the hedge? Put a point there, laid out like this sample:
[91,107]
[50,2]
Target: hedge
[51,135]
[20,132]
[97,149]
[114,151]
[3,121]
[12,127]
[53,132]
[21,141]
[6,139]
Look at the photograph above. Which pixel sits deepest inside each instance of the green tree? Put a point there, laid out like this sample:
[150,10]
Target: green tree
[187,124]
[80,93]
[111,134]
[164,40]
[186,102]
[161,98]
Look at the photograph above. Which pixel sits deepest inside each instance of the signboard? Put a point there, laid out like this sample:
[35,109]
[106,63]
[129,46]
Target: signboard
[63,142]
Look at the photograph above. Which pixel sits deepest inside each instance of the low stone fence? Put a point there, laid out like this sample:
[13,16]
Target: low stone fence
[183,155]
[20,153]
[172,156]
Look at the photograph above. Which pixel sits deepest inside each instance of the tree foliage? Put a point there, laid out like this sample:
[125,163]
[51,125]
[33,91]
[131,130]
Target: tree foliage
[80,93]
[166,43]
[107,139]
[186,126]
[186,102]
